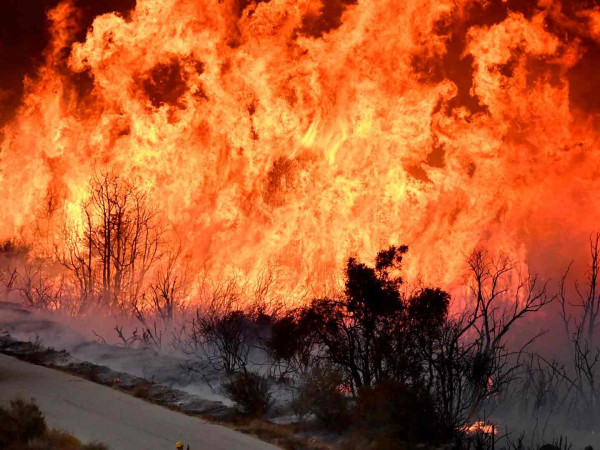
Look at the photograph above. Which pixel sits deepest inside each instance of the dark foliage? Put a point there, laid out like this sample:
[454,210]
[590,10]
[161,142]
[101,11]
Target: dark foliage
[321,395]
[293,342]
[95,446]
[23,427]
[284,342]
[228,338]
[398,411]
[385,344]
[428,309]
[250,392]
[21,423]
[371,333]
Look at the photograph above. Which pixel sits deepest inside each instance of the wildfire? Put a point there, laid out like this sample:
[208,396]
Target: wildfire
[481,427]
[293,133]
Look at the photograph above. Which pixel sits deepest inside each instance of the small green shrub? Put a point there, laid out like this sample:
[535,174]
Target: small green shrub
[250,392]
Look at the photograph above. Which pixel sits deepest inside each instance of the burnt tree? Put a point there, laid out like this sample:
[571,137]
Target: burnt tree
[115,245]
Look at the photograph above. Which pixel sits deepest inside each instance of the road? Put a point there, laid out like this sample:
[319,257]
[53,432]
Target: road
[94,412]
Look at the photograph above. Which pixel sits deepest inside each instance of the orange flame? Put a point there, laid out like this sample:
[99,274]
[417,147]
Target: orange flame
[480,427]
[293,133]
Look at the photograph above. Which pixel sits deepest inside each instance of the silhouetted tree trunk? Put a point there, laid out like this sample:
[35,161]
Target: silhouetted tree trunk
[119,243]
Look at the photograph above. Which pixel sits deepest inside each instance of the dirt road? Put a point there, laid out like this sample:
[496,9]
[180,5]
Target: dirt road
[94,412]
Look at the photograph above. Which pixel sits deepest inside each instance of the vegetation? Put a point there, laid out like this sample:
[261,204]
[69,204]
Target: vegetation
[391,363]
[411,370]
[250,393]
[321,397]
[23,427]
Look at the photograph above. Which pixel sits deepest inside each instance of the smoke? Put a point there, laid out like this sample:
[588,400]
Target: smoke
[84,337]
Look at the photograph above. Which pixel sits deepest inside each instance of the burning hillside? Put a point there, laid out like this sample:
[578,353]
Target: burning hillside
[290,134]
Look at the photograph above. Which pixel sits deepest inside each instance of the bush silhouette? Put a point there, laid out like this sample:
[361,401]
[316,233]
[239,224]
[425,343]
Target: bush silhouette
[398,412]
[55,440]
[22,426]
[21,423]
[372,332]
[321,395]
[250,393]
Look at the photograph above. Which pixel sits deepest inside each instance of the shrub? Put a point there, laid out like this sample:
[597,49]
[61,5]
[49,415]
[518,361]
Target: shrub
[59,440]
[21,423]
[373,331]
[358,442]
[293,342]
[22,426]
[94,445]
[227,336]
[399,412]
[321,394]
[250,393]
[55,440]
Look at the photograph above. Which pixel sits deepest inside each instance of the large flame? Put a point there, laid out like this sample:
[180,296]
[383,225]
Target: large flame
[293,133]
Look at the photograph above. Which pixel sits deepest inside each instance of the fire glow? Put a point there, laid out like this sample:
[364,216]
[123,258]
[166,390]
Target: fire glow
[481,427]
[294,133]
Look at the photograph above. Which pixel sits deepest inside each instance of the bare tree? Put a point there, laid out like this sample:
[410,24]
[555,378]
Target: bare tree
[77,255]
[13,255]
[45,217]
[220,332]
[39,289]
[169,288]
[544,387]
[8,276]
[473,362]
[117,243]
[581,319]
